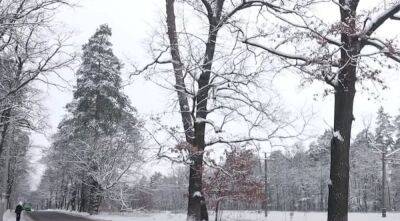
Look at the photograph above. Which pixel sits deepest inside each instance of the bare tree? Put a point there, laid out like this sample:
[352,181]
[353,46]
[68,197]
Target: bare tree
[27,53]
[338,53]
[218,87]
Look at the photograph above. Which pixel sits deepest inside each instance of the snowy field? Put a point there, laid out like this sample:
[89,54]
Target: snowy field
[10,216]
[249,216]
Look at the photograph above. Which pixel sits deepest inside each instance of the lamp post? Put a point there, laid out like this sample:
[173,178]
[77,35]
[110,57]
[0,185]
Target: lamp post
[4,196]
[265,185]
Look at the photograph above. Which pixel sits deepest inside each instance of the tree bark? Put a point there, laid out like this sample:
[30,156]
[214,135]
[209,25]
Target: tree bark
[180,86]
[196,141]
[343,116]
[339,172]
[340,143]
[194,132]
[196,201]
[195,181]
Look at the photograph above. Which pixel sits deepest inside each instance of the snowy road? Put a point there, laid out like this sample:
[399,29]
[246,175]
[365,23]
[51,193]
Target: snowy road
[54,216]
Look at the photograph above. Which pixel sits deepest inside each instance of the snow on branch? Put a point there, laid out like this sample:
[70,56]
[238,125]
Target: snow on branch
[307,61]
[210,122]
[376,22]
[276,52]
[255,3]
[384,49]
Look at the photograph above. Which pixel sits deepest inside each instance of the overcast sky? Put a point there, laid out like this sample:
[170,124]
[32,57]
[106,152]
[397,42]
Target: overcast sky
[132,22]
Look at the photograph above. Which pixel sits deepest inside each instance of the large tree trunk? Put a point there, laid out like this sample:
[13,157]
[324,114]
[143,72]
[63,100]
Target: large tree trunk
[343,115]
[180,86]
[197,209]
[196,201]
[195,132]
[340,145]
[196,167]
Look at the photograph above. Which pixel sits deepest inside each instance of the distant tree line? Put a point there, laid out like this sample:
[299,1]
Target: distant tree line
[298,178]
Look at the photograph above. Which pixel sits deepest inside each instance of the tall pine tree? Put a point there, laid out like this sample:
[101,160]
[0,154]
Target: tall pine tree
[105,139]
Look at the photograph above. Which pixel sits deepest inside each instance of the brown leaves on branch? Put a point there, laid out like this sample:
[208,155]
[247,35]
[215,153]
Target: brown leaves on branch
[235,180]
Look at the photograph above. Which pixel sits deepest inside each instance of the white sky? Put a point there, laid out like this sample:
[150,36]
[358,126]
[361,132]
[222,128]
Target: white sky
[132,22]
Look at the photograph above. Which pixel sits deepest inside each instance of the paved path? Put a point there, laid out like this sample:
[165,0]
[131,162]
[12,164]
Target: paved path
[54,216]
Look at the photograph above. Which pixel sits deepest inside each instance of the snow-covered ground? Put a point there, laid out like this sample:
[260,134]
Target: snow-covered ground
[10,216]
[249,216]
[227,216]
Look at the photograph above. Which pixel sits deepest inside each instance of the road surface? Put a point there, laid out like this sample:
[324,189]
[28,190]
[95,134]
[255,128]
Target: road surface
[54,216]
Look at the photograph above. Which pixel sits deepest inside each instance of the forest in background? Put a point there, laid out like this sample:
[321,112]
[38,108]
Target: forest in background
[297,179]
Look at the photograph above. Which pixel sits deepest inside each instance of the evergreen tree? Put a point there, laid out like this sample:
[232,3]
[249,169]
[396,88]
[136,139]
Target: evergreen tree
[385,143]
[384,131]
[100,105]
[101,135]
